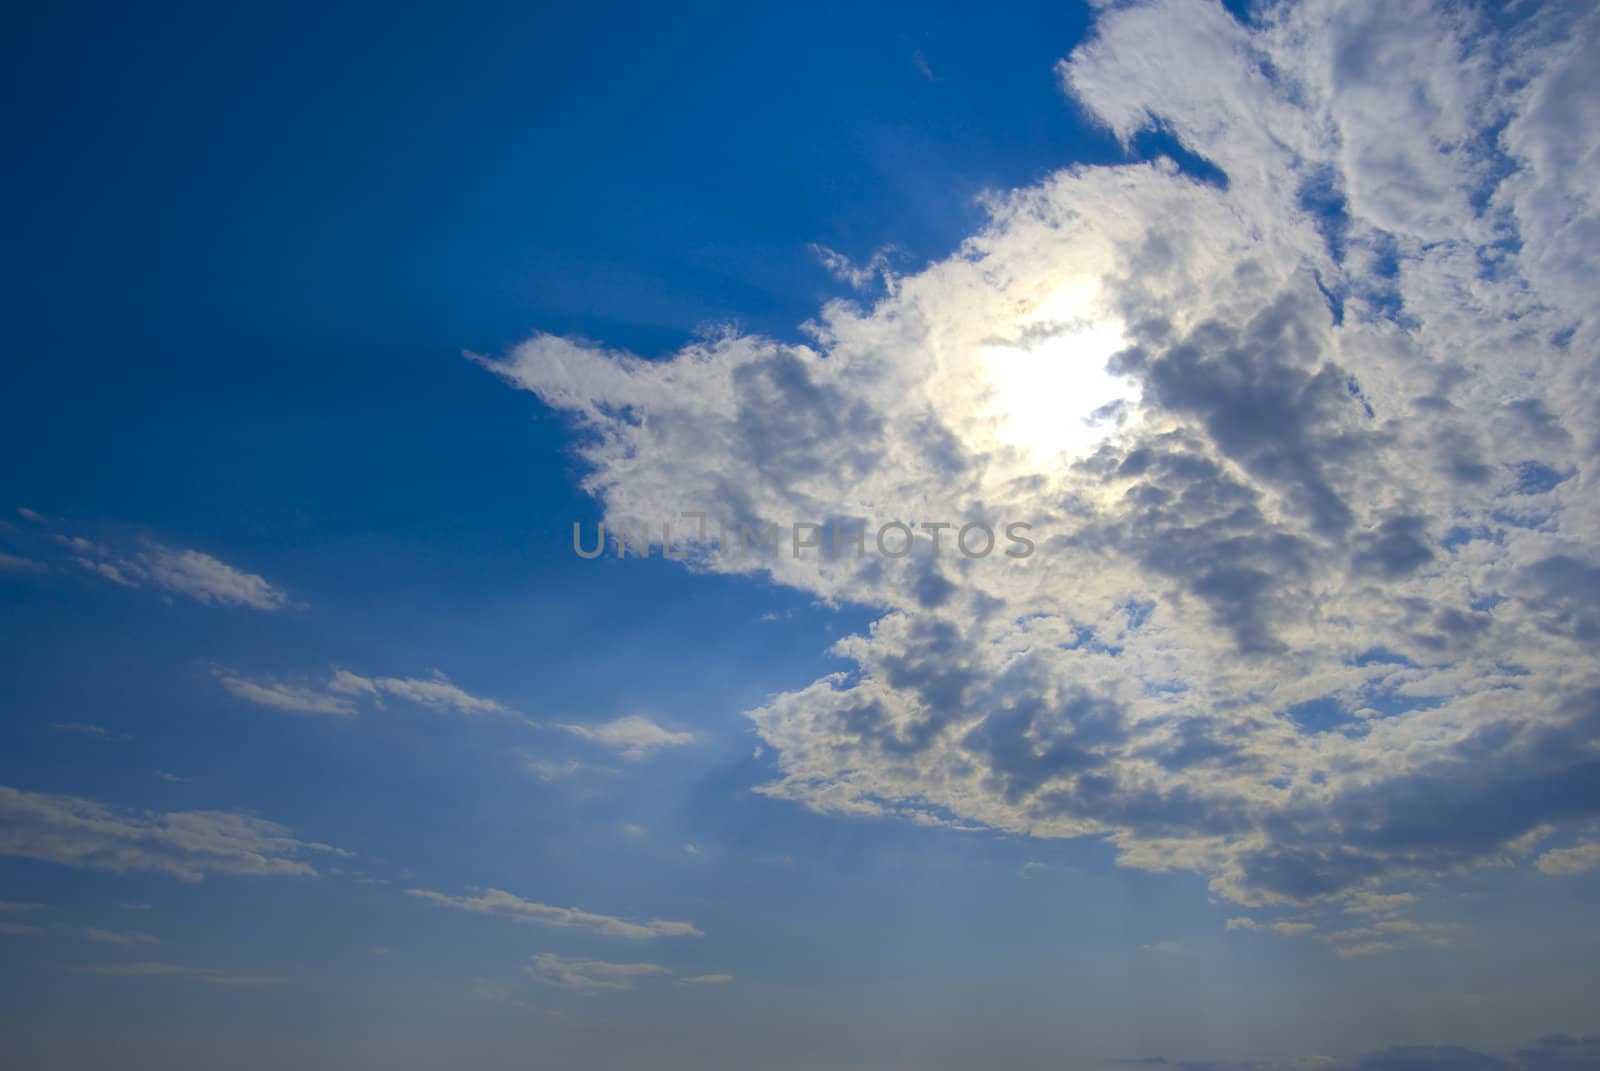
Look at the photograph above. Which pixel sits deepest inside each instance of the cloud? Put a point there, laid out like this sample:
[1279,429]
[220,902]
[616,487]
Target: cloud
[177,571]
[550,770]
[82,728]
[857,276]
[590,973]
[184,844]
[337,697]
[508,905]
[707,979]
[435,692]
[13,564]
[280,696]
[1312,610]
[1562,862]
[1366,948]
[117,937]
[207,975]
[634,736]
[1368,902]
[21,929]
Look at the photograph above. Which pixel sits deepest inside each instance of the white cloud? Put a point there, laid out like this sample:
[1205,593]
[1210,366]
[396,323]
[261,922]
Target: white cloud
[337,697]
[280,696]
[1313,607]
[207,580]
[13,563]
[177,571]
[184,844]
[707,979]
[590,973]
[1563,862]
[435,692]
[507,905]
[633,737]
[857,276]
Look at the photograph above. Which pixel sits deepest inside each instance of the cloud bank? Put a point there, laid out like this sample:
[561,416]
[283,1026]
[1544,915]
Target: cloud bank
[1317,589]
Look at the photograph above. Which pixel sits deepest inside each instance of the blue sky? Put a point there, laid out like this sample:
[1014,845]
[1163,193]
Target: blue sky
[319,745]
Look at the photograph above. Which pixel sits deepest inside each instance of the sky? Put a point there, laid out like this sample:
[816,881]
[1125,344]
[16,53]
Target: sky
[1175,425]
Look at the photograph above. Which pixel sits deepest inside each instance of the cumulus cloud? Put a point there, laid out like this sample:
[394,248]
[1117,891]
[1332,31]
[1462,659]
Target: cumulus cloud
[1314,599]
[508,905]
[633,737]
[184,844]
[1562,862]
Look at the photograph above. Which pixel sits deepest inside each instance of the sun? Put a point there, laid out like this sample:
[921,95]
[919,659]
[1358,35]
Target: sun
[1050,393]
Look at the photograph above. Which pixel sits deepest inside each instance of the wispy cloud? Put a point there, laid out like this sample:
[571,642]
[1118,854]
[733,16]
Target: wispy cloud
[707,979]
[435,692]
[207,975]
[632,737]
[280,696]
[117,937]
[192,574]
[340,695]
[591,973]
[184,844]
[83,728]
[508,905]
